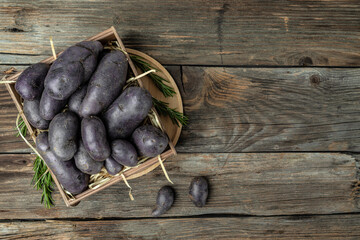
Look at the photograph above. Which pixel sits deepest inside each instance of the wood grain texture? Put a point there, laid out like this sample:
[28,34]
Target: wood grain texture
[221,32]
[316,227]
[270,109]
[251,184]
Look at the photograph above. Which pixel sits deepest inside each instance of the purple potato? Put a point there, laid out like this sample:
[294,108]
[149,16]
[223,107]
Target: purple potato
[76,99]
[105,84]
[63,81]
[124,153]
[85,163]
[164,201]
[93,46]
[42,142]
[71,178]
[32,113]
[127,112]
[149,140]
[94,138]
[112,166]
[198,191]
[49,107]
[30,83]
[85,55]
[63,135]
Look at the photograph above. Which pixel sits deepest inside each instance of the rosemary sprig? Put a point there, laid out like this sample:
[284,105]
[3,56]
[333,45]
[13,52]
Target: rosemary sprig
[175,116]
[42,178]
[159,82]
[23,128]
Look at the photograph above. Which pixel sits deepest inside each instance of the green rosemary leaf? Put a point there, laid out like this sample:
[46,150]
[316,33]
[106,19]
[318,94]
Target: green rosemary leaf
[175,116]
[159,82]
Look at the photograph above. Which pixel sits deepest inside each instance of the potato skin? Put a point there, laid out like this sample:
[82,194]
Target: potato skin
[49,107]
[63,135]
[94,138]
[164,201]
[105,84]
[95,47]
[76,99]
[124,153]
[198,191]
[85,163]
[149,140]
[32,113]
[112,166]
[63,81]
[127,112]
[71,178]
[30,83]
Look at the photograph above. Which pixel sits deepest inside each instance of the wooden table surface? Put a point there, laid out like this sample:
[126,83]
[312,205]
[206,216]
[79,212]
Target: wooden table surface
[272,90]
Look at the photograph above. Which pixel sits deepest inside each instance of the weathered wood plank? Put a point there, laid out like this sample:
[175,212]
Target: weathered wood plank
[217,32]
[253,109]
[271,109]
[315,227]
[254,184]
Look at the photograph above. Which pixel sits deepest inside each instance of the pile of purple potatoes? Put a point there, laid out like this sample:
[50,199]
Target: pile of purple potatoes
[86,119]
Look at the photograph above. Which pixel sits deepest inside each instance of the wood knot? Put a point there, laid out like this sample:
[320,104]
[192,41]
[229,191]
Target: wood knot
[315,80]
[305,61]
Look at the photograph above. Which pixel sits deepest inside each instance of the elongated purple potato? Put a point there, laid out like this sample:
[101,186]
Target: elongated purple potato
[85,163]
[164,201]
[94,138]
[94,46]
[149,140]
[32,113]
[86,55]
[49,107]
[73,68]
[105,84]
[63,81]
[30,83]
[63,135]
[198,191]
[76,99]
[71,178]
[124,153]
[127,112]
[112,166]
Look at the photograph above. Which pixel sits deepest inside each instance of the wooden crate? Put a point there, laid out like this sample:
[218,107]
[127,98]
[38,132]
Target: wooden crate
[146,167]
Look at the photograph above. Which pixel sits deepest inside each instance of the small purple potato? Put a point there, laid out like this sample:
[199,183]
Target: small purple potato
[124,153]
[164,201]
[149,140]
[30,83]
[198,191]
[112,166]
[49,107]
[63,81]
[105,84]
[85,163]
[94,138]
[127,112]
[32,113]
[76,99]
[93,46]
[71,178]
[63,135]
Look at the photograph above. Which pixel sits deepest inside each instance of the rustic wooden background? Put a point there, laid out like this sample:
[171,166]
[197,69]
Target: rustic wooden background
[272,89]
